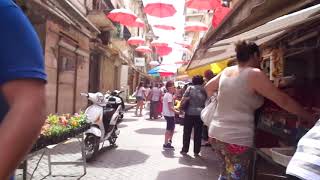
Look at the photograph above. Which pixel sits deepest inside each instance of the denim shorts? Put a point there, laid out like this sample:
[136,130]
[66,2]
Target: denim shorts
[139,98]
[170,123]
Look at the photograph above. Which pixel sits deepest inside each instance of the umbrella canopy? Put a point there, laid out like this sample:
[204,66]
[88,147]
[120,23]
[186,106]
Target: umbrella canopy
[159,9]
[164,27]
[158,43]
[184,44]
[144,49]
[163,50]
[163,69]
[195,26]
[154,63]
[122,16]
[219,14]
[203,4]
[166,74]
[138,23]
[136,40]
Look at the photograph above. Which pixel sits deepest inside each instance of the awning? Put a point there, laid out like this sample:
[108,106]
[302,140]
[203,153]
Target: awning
[214,67]
[224,49]
[248,14]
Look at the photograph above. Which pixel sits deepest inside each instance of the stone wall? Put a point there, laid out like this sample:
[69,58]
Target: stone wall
[54,33]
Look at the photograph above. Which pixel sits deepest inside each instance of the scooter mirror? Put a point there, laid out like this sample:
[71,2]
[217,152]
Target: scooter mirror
[84,94]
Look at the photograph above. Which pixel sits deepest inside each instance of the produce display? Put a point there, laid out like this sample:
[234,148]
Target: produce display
[58,128]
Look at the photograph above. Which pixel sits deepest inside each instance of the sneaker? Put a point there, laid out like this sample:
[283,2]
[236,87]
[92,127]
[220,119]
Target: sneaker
[196,155]
[168,147]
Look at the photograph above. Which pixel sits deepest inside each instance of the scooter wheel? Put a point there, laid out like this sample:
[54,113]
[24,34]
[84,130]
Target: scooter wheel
[92,143]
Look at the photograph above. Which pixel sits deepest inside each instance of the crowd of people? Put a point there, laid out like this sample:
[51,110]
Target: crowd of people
[239,90]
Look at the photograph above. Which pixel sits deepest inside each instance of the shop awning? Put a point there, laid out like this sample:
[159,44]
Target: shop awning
[224,49]
[214,67]
[248,14]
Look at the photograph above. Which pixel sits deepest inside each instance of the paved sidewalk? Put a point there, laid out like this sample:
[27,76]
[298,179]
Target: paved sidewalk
[138,156]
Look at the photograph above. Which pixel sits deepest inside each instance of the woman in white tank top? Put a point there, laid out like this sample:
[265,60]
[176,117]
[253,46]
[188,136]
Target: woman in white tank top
[241,89]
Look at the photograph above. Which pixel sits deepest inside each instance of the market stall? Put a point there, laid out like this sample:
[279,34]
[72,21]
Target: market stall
[292,62]
[57,130]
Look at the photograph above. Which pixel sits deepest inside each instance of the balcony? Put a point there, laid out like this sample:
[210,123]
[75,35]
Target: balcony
[97,15]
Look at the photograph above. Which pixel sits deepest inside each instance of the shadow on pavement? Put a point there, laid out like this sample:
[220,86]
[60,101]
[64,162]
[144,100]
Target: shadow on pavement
[168,154]
[155,120]
[151,131]
[130,119]
[122,125]
[186,173]
[119,158]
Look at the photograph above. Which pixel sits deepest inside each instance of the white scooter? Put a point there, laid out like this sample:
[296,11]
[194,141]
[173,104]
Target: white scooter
[104,119]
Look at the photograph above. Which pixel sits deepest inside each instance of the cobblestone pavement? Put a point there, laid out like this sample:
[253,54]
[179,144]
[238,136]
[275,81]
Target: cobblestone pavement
[138,156]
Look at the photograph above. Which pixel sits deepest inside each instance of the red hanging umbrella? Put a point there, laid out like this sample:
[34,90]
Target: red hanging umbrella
[195,26]
[203,4]
[158,43]
[166,74]
[122,16]
[159,9]
[164,27]
[144,49]
[184,44]
[163,50]
[219,14]
[136,40]
[138,23]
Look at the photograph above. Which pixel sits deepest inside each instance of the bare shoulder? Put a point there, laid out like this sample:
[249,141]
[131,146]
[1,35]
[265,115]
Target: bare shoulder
[255,73]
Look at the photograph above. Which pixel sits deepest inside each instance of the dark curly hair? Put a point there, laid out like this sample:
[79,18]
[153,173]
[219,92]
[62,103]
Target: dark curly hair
[245,50]
[197,80]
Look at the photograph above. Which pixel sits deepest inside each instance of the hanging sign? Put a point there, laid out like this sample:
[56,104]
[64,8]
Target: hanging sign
[139,61]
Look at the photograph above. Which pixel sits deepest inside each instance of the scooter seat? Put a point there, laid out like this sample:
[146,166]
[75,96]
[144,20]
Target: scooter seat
[107,115]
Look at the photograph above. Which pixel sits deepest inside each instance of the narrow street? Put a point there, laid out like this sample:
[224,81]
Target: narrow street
[138,156]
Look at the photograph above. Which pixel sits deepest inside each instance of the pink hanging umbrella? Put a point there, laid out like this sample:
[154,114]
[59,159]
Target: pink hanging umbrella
[144,49]
[219,14]
[164,27]
[184,44]
[138,23]
[163,50]
[136,40]
[166,74]
[122,16]
[195,26]
[203,4]
[159,9]
[158,43]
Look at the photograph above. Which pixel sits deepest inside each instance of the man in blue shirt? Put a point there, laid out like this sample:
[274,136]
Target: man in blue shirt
[22,87]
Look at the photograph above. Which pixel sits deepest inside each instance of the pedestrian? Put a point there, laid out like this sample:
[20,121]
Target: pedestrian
[140,96]
[241,89]
[196,97]
[168,113]
[160,107]
[147,92]
[155,96]
[208,74]
[22,84]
